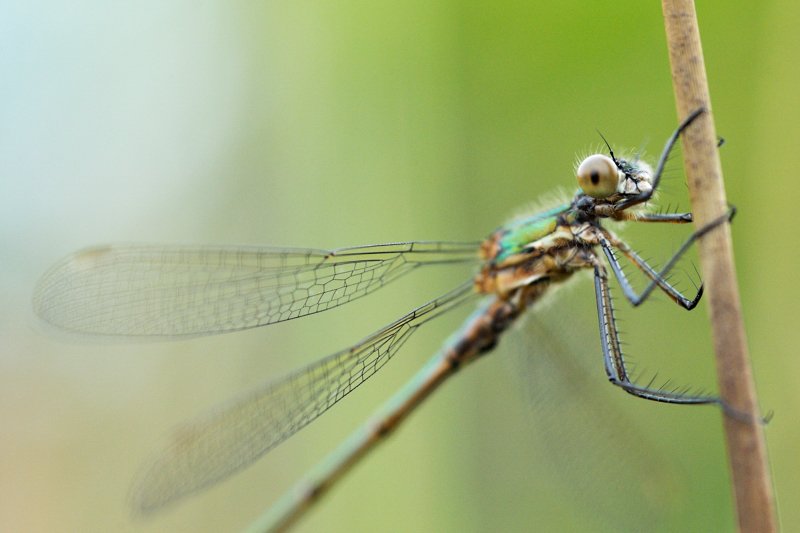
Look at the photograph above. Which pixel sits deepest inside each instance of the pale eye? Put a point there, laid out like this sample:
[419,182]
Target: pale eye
[598,176]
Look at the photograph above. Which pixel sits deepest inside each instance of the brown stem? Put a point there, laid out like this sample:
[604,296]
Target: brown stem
[745,440]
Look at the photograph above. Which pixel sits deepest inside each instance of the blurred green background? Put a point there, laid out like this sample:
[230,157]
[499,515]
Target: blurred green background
[328,124]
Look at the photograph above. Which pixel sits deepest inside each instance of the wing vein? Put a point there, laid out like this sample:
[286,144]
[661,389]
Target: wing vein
[183,291]
[212,447]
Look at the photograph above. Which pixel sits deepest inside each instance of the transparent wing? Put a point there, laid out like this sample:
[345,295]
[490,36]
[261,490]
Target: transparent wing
[587,438]
[213,447]
[184,291]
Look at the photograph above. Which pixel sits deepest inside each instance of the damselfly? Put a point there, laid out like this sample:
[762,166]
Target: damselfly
[183,291]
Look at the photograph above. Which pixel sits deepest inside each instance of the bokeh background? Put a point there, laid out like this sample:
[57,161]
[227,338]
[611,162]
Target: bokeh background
[329,124]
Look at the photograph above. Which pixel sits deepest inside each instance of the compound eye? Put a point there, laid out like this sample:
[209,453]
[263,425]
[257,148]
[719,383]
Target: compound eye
[598,176]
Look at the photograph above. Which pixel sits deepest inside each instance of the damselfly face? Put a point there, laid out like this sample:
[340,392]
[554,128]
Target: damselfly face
[613,180]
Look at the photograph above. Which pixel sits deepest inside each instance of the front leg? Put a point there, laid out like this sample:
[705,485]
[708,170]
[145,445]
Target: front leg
[670,218]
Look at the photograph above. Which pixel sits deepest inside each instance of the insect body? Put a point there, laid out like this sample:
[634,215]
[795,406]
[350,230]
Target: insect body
[173,291]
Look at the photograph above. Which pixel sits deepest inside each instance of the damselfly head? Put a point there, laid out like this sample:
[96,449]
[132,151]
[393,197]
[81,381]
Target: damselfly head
[611,179]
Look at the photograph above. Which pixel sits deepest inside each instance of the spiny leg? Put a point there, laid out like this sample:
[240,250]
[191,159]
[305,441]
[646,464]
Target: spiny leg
[612,352]
[615,363]
[662,160]
[607,240]
[672,218]
[655,277]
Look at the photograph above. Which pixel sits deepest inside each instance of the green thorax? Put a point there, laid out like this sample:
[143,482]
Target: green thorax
[518,235]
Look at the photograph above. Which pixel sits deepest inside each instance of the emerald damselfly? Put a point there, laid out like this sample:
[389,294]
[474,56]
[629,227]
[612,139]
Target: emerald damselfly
[186,291]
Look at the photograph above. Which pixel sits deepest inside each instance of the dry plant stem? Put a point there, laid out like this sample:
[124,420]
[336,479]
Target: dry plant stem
[745,440]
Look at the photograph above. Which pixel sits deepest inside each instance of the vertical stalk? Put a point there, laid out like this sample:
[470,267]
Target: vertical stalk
[752,485]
